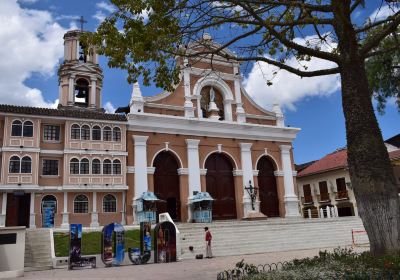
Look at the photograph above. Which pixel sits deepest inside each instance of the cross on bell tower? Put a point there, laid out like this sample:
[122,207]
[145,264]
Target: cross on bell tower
[82,21]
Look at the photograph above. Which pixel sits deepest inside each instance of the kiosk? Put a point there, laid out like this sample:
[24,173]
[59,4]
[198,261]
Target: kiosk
[202,207]
[146,210]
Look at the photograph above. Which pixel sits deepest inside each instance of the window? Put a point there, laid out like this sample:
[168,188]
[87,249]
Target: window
[116,134]
[96,133]
[26,165]
[107,133]
[16,128]
[14,165]
[28,129]
[74,166]
[84,166]
[81,204]
[323,191]
[75,132]
[109,203]
[50,167]
[116,167]
[85,132]
[96,166]
[307,193]
[107,166]
[51,132]
[341,184]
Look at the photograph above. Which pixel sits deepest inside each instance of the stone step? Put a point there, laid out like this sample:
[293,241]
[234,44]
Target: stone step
[38,254]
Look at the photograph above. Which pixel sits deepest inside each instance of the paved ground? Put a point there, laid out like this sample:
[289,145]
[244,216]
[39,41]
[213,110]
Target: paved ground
[188,269]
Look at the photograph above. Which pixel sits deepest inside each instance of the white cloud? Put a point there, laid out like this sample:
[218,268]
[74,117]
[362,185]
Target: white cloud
[100,16]
[105,6]
[109,107]
[31,42]
[383,12]
[27,1]
[288,88]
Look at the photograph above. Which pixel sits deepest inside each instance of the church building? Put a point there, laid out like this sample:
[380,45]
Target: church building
[90,167]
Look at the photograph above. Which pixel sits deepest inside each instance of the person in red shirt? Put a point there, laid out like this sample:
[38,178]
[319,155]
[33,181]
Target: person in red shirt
[208,243]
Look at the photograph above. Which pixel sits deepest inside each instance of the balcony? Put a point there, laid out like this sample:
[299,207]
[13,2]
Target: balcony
[308,199]
[342,195]
[324,197]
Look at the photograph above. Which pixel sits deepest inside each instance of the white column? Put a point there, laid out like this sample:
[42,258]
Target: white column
[189,110]
[95,216]
[240,114]
[291,199]
[93,93]
[228,110]
[123,209]
[193,170]
[3,210]
[32,214]
[65,214]
[71,90]
[247,167]
[141,184]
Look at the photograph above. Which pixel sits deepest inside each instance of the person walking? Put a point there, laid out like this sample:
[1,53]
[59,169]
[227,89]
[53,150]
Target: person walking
[208,243]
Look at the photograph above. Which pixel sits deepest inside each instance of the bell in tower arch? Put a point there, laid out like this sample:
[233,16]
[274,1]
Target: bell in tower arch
[81,93]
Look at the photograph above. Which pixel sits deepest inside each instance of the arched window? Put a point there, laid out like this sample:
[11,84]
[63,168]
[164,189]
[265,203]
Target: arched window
[74,166]
[75,132]
[116,134]
[82,93]
[107,166]
[84,168]
[96,133]
[49,201]
[14,166]
[96,166]
[16,128]
[26,165]
[109,204]
[85,132]
[28,129]
[116,166]
[81,204]
[107,133]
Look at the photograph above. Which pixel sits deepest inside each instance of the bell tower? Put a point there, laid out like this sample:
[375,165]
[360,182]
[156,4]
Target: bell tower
[80,76]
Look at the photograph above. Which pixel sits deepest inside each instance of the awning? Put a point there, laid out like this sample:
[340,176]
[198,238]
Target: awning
[201,196]
[149,196]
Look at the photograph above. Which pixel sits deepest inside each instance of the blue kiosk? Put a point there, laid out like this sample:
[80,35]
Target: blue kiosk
[146,209]
[202,207]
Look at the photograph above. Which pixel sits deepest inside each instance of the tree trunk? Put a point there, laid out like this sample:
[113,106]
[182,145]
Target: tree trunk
[371,173]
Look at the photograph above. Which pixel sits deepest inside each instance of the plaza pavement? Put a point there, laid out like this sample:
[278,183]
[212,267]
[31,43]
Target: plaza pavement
[187,269]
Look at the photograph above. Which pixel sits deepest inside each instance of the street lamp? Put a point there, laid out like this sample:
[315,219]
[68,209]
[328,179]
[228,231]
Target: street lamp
[252,191]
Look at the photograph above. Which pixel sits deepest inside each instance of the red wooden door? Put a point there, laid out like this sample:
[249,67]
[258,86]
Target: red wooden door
[268,193]
[221,187]
[17,212]
[166,185]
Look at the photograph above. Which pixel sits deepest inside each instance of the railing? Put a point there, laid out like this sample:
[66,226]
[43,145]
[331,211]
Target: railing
[342,195]
[324,197]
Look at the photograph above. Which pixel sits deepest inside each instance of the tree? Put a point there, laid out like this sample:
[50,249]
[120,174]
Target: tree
[145,36]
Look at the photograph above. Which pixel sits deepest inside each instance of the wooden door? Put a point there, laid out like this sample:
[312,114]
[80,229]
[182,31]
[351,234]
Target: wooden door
[221,187]
[268,193]
[18,208]
[166,185]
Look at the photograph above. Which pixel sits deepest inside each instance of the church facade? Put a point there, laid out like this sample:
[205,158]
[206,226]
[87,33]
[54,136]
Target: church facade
[90,167]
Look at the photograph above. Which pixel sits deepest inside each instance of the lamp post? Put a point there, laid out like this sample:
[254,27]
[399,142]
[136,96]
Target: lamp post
[252,191]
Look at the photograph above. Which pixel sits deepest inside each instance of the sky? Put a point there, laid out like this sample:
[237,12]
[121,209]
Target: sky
[31,49]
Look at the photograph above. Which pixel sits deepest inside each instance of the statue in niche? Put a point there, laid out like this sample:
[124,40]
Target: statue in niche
[212,95]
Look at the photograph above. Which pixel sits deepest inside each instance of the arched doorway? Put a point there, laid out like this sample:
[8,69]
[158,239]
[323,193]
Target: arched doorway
[269,201]
[49,209]
[221,187]
[166,185]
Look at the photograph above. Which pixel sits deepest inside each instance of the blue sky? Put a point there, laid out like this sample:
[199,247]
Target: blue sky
[38,25]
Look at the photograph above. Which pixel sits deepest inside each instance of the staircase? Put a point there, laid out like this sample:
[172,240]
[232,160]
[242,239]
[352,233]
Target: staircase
[38,249]
[272,235]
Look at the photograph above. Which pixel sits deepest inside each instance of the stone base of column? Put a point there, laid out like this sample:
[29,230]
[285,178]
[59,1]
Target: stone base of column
[292,207]
[189,109]
[32,220]
[2,220]
[249,213]
[95,220]
[65,220]
[123,219]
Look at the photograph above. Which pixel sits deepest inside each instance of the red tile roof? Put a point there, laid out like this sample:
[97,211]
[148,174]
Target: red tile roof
[334,161]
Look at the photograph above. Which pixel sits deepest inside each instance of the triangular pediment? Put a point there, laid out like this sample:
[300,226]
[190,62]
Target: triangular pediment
[85,68]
